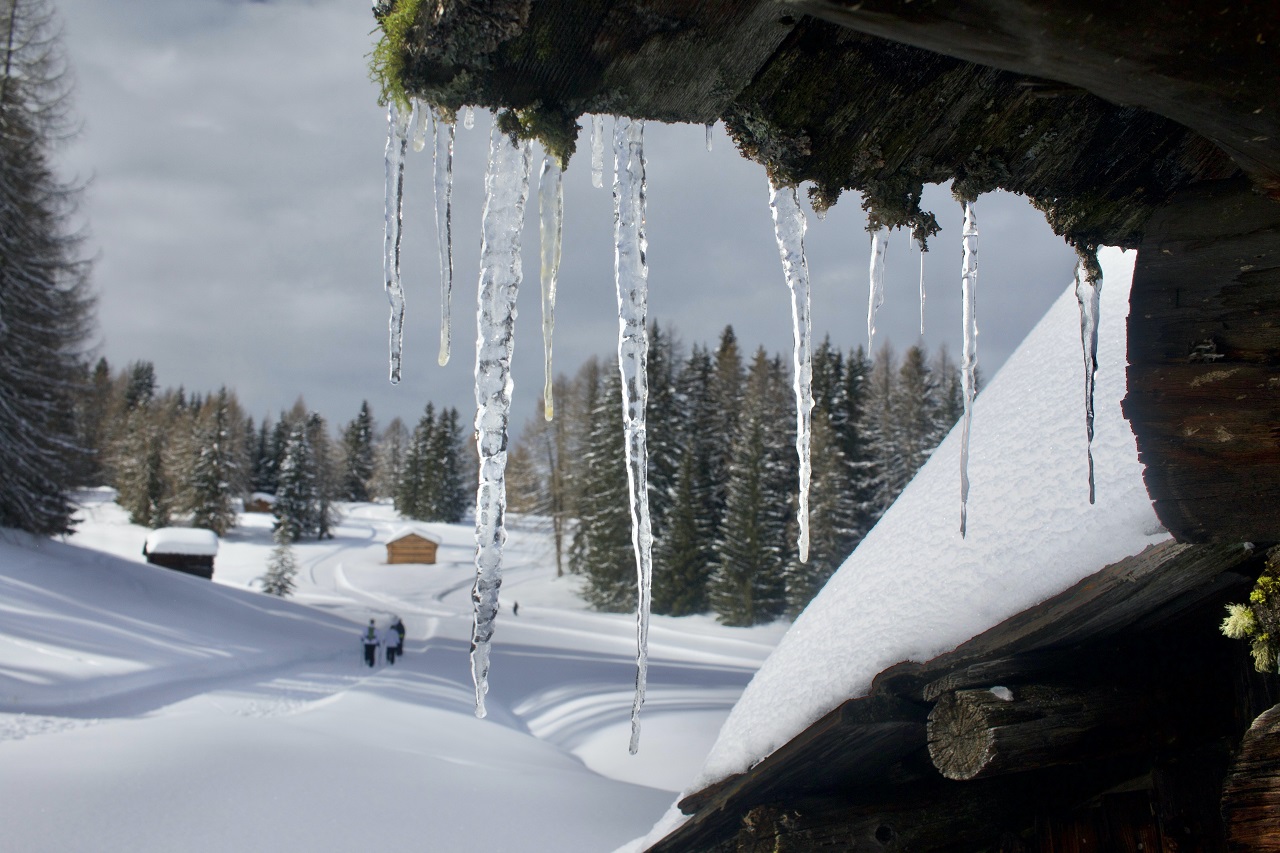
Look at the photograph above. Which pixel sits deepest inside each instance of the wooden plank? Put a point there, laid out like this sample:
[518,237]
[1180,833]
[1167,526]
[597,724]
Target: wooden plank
[1251,794]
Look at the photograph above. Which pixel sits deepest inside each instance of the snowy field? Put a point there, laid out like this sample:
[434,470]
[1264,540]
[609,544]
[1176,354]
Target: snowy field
[145,710]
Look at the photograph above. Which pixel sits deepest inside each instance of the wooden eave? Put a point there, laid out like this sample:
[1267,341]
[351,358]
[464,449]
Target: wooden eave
[871,742]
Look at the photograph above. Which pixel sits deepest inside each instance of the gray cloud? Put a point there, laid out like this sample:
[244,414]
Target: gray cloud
[236,207]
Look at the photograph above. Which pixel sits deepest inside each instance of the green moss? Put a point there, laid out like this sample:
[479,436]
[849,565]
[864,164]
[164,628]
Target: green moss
[556,131]
[1258,622]
[389,58]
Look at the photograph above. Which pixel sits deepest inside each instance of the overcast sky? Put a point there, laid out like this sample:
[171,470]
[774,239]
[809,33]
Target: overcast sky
[234,151]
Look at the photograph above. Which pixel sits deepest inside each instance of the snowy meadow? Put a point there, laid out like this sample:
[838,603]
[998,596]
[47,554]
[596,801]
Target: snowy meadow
[146,710]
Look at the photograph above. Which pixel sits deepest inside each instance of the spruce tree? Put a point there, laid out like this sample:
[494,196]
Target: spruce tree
[684,557]
[45,306]
[664,414]
[326,476]
[215,468]
[282,568]
[415,491]
[833,519]
[915,418]
[357,455]
[389,459]
[449,498]
[602,549]
[297,496]
[747,586]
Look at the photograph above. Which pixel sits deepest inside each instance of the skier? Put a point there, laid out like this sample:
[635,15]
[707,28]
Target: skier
[370,639]
[515,609]
[398,627]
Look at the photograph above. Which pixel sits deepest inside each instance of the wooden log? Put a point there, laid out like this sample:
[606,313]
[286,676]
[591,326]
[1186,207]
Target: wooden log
[1204,364]
[1251,794]
[979,733]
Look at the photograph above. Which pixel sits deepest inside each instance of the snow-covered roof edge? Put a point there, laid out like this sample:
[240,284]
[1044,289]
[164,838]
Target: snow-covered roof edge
[412,530]
[191,541]
[914,588]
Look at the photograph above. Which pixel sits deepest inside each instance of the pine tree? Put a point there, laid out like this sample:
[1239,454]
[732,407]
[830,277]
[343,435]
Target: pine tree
[326,476]
[45,307]
[747,586]
[684,557]
[415,491]
[664,413]
[389,459]
[602,549]
[297,498]
[449,498]
[215,468]
[833,519]
[357,454]
[282,567]
[915,418]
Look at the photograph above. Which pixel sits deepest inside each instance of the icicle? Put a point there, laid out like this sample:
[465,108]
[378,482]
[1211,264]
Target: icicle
[418,121]
[922,251]
[397,142]
[789,225]
[631,272]
[551,229]
[710,126]
[875,298]
[1088,292]
[506,189]
[597,151]
[443,172]
[469,118]
[969,356]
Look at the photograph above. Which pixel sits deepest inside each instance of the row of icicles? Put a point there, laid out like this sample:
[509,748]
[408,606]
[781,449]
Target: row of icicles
[506,192]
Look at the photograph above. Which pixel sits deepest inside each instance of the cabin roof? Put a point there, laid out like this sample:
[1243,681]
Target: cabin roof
[191,541]
[412,530]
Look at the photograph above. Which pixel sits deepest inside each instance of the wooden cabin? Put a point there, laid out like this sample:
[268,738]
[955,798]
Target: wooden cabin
[411,545]
[184,549]
[260,502]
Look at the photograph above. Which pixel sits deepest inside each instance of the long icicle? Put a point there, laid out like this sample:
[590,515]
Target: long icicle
[506,189]
[875,295]
[789,226]
[551,231]
[922,251]
[631,273]
[443,175]
[397,142]
[1088,294]
[597,151]
[969,355]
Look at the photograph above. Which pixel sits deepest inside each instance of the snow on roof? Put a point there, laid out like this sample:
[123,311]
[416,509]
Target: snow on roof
[265,497]
[193,541]
[412,530]
[914,589]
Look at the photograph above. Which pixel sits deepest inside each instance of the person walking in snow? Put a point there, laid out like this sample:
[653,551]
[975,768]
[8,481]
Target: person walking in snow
[398,627]
[370,639]
[391,640]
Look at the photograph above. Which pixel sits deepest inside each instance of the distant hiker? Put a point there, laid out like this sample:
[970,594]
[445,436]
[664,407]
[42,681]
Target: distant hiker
[370,640]
[515,609]
[398,627]
[391,640]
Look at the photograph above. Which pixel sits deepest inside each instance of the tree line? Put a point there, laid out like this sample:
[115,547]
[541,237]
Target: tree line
[168,452]
[723,470]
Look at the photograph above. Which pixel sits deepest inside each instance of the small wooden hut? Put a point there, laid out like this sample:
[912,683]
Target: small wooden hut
[411,545]
[261,502]
[186,549]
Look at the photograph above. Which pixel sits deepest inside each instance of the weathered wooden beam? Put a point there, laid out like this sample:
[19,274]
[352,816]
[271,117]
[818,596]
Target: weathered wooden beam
[1251,794]
[979,733]
[1204,364]
[1207,65]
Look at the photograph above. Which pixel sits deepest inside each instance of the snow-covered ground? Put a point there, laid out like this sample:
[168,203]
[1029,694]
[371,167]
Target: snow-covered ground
[145,710]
